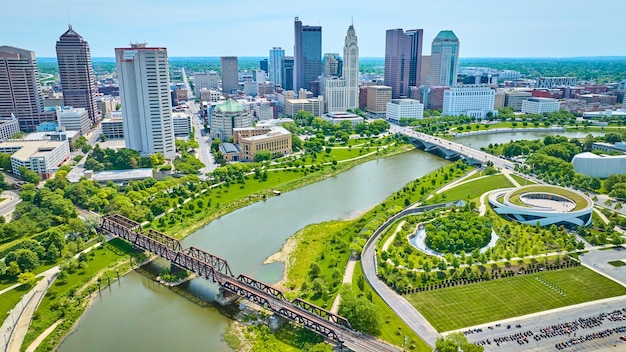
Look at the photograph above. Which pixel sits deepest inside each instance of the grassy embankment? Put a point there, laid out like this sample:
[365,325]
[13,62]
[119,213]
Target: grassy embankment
[67,299]
[472,190]
[462,306]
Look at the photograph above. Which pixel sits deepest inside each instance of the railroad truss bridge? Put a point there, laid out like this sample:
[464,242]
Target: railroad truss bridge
[333,327]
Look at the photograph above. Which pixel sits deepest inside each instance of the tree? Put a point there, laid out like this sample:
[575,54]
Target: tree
[362,314]
[13,269]
[26,259]
[5,162]
[28,175]
[3,268]
[262,155]
[26,278]
[456,342]
[315,270]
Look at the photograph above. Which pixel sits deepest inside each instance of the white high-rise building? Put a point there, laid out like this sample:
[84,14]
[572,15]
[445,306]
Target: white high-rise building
[146,102]
[471,100]
[404,108]
[335,94]
[351,69]
[205,80]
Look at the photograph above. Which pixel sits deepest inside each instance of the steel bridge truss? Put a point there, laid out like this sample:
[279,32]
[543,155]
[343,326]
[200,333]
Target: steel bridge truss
[216,269]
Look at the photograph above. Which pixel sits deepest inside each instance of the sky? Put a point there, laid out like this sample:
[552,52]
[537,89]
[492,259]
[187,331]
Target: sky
[485,28]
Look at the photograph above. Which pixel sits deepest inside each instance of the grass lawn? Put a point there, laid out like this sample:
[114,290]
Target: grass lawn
[392,324]
[458,307]
[617,263]
[475,189]
[522,180]
[580,201]
[9,299]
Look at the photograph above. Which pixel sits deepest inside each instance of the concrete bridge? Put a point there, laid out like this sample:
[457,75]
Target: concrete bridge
[451,150]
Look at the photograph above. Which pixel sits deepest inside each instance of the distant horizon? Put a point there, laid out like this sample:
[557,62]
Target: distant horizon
[382,57]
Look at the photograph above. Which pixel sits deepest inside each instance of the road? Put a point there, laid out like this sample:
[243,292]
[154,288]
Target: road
[190,95]
[7,206]
[204,142]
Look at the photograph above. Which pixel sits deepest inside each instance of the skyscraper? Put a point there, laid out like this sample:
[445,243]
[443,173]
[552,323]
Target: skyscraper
[145,96]
[403,59]
[230,78]
[415,57]
[275,65]
[20,90]
[264,65]
[444,59]
[397,60]
[307,55]
[76,73]
[351,68]
[287,69]
[332,65]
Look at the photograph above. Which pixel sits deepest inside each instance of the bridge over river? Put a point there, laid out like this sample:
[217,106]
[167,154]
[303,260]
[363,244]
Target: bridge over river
[452,150]
[334,328]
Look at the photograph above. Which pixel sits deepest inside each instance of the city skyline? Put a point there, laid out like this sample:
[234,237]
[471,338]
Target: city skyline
[488,30]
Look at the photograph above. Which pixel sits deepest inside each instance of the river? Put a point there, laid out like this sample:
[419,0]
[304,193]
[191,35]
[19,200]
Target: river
[137,314]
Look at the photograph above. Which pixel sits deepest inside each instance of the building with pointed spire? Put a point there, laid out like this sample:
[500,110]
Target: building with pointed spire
[76,73]
[444,59]
[351,68]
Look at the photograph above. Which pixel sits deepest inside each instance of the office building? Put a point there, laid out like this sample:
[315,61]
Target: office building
[145,96]
[444,59]
[182,124]
[312,105]
[377,99]
[307,55]
[472,100]
[335,94]
[251,140]
[77,78]
[74,119]
[264,65]
[540,105]
[332,64]
[42,156]
[424,71]
[514,98]
[551,82]
[397,60]
[8,128]
[230,75]
[226,116]
[351,69]
[20,91]
[404,108]
[205,80]
[277,54]
[287,73]
[113,126]
[403,60]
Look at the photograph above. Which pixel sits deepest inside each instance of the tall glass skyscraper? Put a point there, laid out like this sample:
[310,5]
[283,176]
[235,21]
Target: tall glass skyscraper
[307,55]
[403,60]
[76,73]
[444,59]
[275,65]
[287,68]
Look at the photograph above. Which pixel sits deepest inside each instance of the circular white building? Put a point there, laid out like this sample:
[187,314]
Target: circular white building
[543,204]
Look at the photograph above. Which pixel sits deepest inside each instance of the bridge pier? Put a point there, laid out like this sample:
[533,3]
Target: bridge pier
[225,297]
[275,322]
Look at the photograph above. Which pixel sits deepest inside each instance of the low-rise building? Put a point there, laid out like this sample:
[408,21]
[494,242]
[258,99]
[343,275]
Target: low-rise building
[540,105]
[275,139]
[601,166]
[74,119]
[182,124]
[404,108]
[377,99]
[337,118]
[471,100]
[514,98]
[113,126]
[8,128]
[42,156]
[312,105]
[619,147]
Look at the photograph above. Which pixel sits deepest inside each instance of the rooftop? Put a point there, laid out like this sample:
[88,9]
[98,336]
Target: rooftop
[31,149]
[229,105]
[446,36]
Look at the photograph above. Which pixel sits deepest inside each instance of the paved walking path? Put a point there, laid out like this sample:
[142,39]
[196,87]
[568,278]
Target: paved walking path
[33,346]
[347,279]
[9,288]
[507,174]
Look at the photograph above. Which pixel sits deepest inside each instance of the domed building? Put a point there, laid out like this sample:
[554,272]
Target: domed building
[226,116]
[543,204]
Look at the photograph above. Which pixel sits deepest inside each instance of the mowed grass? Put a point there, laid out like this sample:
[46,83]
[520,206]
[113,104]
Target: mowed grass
[522,180]
[581,202]
[476,188]
[462,306]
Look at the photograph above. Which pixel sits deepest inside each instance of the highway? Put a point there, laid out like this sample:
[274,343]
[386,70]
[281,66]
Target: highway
[454,147]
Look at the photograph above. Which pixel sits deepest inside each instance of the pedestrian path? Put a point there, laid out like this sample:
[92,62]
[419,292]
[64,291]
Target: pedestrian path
[347,279]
